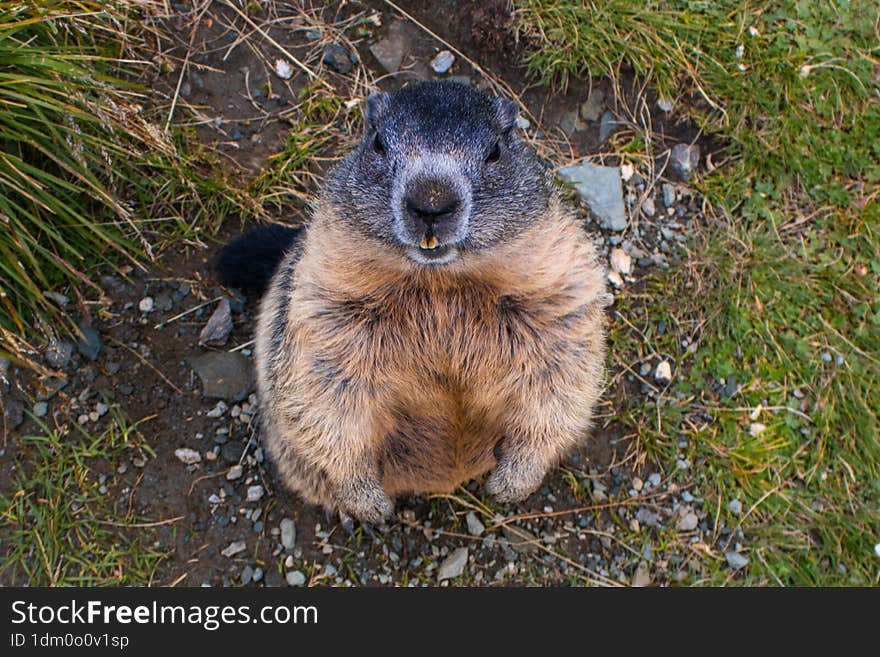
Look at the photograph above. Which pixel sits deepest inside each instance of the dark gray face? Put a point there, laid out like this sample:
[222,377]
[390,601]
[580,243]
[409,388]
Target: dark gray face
[439,172]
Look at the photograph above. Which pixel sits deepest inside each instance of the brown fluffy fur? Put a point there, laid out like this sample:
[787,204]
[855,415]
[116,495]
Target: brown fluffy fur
[379,377]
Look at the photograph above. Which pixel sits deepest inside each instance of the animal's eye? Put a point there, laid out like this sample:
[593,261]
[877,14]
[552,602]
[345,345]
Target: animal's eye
[495,154]
[379,144]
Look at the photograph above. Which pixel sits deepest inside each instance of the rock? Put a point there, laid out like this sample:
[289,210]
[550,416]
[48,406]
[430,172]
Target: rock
[642,576]
[461,79]
[146,304]
[219,326]
[570,122]
[684,160]
[602,190]
[40,409]
[475,527]
[520,539]
[668,194]
[234,472]
[218,410]
[615,279]
[730,387]
[59,354]
[247,575]
[164,302]
[663,373]
[58,298]
[607,126]
[637,484]
[337,58]
[288,534]
[522,123]
[236,547]
[454,564]
[877,549]
[664,105]
[258,574]
[647,517]
[735,507]
[13,413]
[254,493]
[295,578]
[688,522]
[648,207]
[736,560]
[90,344]
[756,429]
[442,62]
[389,52]
[283,69]
[187,455]
[591,108]
[232,451]
[654,479]
[227,376]
[621,262]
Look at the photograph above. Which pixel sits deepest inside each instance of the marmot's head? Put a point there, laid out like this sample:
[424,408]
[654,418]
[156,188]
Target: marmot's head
[439,172]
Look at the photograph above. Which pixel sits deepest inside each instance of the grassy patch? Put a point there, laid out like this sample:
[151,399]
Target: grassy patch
[62,525]
[786,275]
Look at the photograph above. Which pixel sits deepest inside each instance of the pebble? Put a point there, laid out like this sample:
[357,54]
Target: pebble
[40,409]
[475,527]
[654,479]
[254,493]
[453,565]
[688,522]
[877,549]
[232,451]
[648,207]
[234,472]
[642,576]
[90,344]
[615,279]
[283,69]
[59,354]
[389,51]
[14,413]
[522,123]
[295,578]
[736,560]
[684,160]
[668,192]
[664,105]
[216,331]
[337,58]
[756,429]
[591,108]
[735,507]
[101,409]
[288,534]
[637,484]
[258,574]
[663,373]
[607,126]
[187,455]
[247,575]
[218,410]
[621,262]
[601,188]
[236,547]
[442,62]
[224,375]
[145,305]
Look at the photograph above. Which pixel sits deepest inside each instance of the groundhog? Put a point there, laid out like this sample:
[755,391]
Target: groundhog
[440,316]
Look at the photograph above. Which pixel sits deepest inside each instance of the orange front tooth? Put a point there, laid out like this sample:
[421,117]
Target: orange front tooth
[424,243]
[431,242]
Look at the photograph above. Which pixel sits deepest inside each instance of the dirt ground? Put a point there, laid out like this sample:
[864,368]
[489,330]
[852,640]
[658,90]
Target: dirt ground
[563,534]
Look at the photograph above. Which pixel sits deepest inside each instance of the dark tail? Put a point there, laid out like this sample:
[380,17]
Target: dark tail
[250,260]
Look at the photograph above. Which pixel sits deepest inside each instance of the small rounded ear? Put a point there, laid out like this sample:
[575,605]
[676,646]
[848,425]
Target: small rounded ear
[505,114]
[377,103]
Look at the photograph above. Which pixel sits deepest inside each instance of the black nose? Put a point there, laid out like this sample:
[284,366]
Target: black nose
[431,200]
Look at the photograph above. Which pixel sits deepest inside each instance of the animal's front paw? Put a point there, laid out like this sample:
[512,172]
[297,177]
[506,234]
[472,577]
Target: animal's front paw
[514,481]
[364,499]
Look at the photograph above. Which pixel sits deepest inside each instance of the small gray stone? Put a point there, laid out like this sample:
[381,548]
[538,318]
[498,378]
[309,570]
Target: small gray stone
[258,574]
[684,160]
[90,345]
[461,79]
[689,522]
[736,560]
[520,539]
[254,493]
[219,326]
[602,190]
[14,413]
[224,375]
[668,194]
[454,564]
[663,373]
[59,354]
[236,547]
[607,126]
[247,575]
[164,302]
[337,58]
[735,507]
[442,62]
[389,52]
[232,451]
[522,123]
[295,578]
[647,517]
[664,104]
[591,108]
[648,207]
[146,304]
[475,527]
[654,479]
[288,534]
[570,122]
[40,409]
[234,472]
